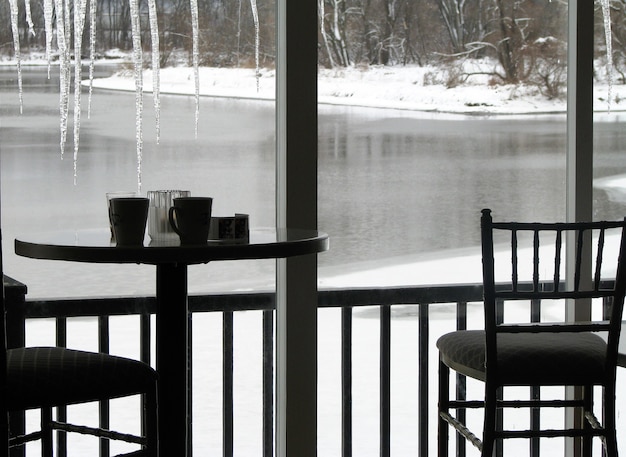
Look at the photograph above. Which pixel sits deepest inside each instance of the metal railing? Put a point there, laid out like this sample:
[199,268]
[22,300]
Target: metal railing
[19,309]
[425,299]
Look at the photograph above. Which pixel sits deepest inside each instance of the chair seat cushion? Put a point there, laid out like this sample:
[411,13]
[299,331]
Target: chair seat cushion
[529,358]
[51,376]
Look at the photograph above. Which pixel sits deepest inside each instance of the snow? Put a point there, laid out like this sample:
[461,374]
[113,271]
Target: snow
[408,87]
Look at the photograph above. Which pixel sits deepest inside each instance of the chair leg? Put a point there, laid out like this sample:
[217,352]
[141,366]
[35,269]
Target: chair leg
[444,400]
[151,420]
[46,432]
[609,422]
[587,441]
[489,426]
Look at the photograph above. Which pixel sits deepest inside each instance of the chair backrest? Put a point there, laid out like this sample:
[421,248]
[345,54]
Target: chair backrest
[533,267]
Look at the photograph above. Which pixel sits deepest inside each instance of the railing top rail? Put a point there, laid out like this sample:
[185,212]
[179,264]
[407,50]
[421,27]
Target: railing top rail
[327,298]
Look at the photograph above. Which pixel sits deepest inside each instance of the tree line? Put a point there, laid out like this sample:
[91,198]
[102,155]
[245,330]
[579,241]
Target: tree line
[527,38]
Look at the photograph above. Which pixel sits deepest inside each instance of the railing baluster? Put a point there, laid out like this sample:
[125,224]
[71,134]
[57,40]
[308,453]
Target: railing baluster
[103,346]
[346,381]
[145,332]
[227,396]
[422,379]
[190,382]
[385,380]
[499,447]
[268,383]
[61,337]
[535,391]
[144,356]
[461,382]
[536,260]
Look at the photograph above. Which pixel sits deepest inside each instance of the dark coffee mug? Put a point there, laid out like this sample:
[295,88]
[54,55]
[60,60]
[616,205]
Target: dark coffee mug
[190,217]
[128,218]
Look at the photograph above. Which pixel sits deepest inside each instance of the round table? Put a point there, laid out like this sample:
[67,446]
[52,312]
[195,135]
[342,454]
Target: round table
[171,260]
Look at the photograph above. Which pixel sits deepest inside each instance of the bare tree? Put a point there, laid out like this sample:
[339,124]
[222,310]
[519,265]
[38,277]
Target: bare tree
[335,21]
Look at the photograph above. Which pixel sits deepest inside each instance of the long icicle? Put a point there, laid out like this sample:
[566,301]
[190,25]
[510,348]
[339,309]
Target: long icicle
[138,61]
[195,53]
[63,72]
[16,49]
[92,50]
[257,43]
[79,26]
[606,13]
[29,18]
[68,44]
[47,15]
[156,65]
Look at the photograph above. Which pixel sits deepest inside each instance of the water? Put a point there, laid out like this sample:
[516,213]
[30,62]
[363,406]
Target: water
[394,188]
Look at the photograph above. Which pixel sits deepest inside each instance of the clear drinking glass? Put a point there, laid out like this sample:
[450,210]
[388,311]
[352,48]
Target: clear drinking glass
[159,228]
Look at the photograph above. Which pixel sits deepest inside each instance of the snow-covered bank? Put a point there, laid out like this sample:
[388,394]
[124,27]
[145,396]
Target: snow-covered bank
[396,87]
[411,87]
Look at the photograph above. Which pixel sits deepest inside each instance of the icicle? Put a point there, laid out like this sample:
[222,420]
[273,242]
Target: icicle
[16,49]
[63,72]
[79,25]
[29,18]
[138,61]
[92,50]
[195,53]
[68,62]
[156,79]
[255,16]
[67,14]
[606,13]
[47,15]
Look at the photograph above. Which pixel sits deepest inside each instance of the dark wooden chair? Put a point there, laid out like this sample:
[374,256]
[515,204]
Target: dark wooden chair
[47,377]
[531,353]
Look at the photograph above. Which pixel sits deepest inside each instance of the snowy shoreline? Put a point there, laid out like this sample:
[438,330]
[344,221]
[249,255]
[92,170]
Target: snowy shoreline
[408,88]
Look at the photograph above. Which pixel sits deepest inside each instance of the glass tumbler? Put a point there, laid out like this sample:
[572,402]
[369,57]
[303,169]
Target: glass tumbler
[159,228]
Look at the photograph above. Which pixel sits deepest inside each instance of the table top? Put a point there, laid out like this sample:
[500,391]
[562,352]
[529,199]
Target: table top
[95,246]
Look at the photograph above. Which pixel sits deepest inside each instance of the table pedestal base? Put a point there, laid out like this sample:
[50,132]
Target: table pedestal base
[172,324]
